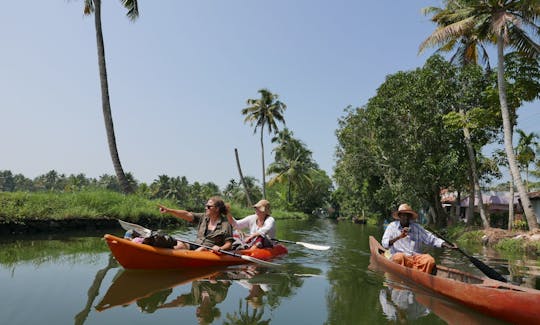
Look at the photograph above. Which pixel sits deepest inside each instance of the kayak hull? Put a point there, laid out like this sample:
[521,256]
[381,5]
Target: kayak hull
[132,255]
[504,301]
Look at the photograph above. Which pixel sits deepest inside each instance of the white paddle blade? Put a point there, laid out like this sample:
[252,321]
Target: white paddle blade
[144,232]
[313,246]
[258,261]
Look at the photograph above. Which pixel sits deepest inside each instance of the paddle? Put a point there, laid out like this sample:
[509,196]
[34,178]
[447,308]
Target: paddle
[145,232]
[307,245]
[488,271]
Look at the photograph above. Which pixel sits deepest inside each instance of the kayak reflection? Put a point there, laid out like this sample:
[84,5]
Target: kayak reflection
[153,290]
[131,286]
[403,302]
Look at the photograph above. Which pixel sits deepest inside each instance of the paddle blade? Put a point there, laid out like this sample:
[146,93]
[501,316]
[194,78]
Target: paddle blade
[488,271]
[144,232]
[306,245]
[258,261]
[313,246]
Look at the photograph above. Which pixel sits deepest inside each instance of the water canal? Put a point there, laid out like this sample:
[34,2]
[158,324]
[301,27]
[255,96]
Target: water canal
[73,279]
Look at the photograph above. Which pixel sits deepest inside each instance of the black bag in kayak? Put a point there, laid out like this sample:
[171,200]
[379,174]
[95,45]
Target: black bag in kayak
[160,240]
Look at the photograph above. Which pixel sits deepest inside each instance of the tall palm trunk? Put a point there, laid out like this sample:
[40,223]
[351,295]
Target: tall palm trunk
[470,211]
[508,146]
[511,206]
[474,172]
[109,127]
[263,167]
[458,207]
[246,190]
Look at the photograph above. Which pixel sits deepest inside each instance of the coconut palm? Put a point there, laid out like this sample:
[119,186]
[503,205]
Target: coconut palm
[94,6]
[467,47]
[264,111]
[507,24]
[468,50]
[526,153]
[292,164]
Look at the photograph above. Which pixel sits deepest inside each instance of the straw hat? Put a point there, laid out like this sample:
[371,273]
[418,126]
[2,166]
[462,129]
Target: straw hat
[263,206]
[405,208]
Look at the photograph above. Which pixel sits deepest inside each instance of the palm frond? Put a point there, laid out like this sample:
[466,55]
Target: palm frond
[88,7]
[132,7]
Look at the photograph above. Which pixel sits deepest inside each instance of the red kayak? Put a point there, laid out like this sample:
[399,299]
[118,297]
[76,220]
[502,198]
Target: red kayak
[514,304]
[132,255]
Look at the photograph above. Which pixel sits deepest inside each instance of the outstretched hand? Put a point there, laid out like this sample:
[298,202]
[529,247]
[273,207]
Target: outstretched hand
[162,209]
[447,245]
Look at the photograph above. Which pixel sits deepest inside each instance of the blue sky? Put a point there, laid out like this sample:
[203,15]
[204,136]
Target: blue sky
[180,75]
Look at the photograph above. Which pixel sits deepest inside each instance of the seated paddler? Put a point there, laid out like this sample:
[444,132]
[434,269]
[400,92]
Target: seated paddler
[404,239]
[213,229]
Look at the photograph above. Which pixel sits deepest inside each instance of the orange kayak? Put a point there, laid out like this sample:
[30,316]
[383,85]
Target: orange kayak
[132,255]
[514,304]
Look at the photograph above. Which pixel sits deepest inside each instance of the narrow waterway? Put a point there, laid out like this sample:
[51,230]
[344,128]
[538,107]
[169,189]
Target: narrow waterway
[72,279]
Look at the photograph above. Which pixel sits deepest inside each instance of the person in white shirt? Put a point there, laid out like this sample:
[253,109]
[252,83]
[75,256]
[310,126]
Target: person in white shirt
[405,238]
[261,225]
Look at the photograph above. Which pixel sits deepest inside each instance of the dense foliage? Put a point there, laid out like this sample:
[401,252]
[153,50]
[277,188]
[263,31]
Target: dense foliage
[398,148]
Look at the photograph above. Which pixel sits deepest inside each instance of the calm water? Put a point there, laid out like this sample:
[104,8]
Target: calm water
[74,280]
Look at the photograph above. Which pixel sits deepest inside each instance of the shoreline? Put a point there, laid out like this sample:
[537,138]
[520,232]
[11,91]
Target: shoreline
[55,226]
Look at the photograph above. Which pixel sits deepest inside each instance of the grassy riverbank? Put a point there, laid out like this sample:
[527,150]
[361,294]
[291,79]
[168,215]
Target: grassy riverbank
[508,241]
[47,211]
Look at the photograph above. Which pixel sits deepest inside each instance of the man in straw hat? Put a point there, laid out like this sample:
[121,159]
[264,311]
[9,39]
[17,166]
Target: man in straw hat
[404,239]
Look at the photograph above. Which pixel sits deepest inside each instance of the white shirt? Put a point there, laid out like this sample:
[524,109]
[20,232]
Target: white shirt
[268,228]
[412,244]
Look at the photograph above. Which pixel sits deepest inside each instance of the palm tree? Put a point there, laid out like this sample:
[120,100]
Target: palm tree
[526,151]
[264,111]
[292,164]
[94,6]
[505,23]
[469,50]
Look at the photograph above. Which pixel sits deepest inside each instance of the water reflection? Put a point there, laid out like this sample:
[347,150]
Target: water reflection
[148,287]
[244,316]
[93,291]
[205,294]
[400,305]
[404,302]
[64,276]
[151,291]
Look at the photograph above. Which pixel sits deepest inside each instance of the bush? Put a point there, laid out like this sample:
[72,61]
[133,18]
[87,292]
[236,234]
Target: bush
[511,245]
[471,237]
[520,225]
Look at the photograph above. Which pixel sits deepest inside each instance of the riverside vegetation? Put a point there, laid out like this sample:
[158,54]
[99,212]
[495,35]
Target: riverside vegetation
[33,212]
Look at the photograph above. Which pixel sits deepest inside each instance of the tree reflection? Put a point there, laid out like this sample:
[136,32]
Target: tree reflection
[243,317]
[205,294]
[93,291]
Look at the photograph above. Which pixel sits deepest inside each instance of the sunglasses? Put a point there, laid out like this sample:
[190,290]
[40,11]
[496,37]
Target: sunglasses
[208,206]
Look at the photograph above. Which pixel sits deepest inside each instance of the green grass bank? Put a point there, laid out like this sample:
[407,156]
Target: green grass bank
[24,212]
